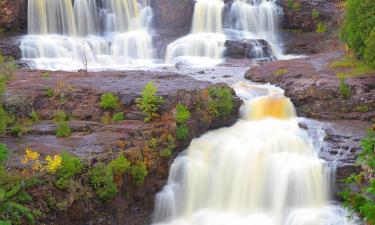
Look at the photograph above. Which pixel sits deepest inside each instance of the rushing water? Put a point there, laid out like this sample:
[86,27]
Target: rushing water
[66,36]
[264,170]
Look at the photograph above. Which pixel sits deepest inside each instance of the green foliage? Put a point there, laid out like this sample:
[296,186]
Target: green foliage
[106,118]
[45,75]
[369,55]
[344,88]
[16,130]
[7,68]
[153,143]
[182,132]
[102,177]
[171,145]
[359,23]
[221,102]
[34,116]
[138,172]
[321,28]
[363,201]
[280,72]
[71,166]
[149,103]
[109,101]
[362,108]
[118,117]
[12,208]
[315,13]
[3,153]
[63,129]
[49,92]
[183,114]
[5,120]
[60,116]
[354,66]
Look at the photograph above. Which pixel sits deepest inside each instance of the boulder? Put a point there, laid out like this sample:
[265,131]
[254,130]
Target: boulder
[245,48]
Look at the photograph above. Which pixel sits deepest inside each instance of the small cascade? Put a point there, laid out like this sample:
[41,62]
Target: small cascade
[256,20]
[205,44]
[264,170]
[102,33]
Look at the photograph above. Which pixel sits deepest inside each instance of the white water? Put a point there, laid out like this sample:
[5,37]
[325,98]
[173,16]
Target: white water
[264,170]
[205,44]
[62,36]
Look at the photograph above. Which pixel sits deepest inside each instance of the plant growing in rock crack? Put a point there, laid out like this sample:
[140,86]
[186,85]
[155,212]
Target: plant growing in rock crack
[103,177]
[138,172]
[221,103]
[153,143]
[343,86]
[170,146]
[63,129]
[118,117]
[109,101]
[16,130]
[182,117]
[71,166]
[149,103]
[49,92]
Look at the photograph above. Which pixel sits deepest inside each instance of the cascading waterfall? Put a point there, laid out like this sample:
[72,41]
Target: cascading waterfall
[264,170]
[257,19]
[205,44]
[99,33]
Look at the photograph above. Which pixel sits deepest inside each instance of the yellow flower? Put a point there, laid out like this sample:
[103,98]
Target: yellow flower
[30,155]
[53,164]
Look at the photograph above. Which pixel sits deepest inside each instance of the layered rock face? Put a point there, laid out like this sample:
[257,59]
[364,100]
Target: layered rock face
[93,140]
[13,15]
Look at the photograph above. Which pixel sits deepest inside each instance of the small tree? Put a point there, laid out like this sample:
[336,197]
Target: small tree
[149,103]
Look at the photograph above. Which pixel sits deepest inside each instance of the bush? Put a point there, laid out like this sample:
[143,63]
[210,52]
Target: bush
[171,145]
[183,114]
[63,130]
[101,178]
[5,120]
[363,200]
[153,143]
[138,172]
[49,92]
[321,28]
[16,130]
[359,23]
[370,50]
[221,101]
[34,116]
[182,132]
[344,88]
[118,117]
[149,103]
[60,116]
[71,166]
[315,14]
[109,101]
[119,165]
[3,153]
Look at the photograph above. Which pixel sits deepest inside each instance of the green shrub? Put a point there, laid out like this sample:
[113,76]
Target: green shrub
[358,24]
[344,88]
[321,28]
[153,143]
[183,114]
[149,103]
[3,153]
[45,75]
[71,166]
[362,201]
[221,101]
[109,101]
[138,172]
[49,92]
[7,68]
[101,178]
[118,117]
[60,116]
[5,120]
[370,50]
[63,129]
[34,116]
[315,14]
[290,3]
[16,130]
[182,132]
[171,145]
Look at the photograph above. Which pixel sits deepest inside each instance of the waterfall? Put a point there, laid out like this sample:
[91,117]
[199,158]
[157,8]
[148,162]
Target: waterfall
[106,33]
[264,170]
[257,19]
[205,44]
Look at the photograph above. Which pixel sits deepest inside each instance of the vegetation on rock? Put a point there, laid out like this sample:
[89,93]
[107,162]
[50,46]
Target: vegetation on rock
[63,129]
[69,167]
[363,201]
[358,29]
[149,103]
[109,101]
[118,117]
[138,172]
[221,102]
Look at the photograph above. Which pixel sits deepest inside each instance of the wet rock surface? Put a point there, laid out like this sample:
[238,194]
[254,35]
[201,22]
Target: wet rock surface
[93,140]
[314,87]
[247,48]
